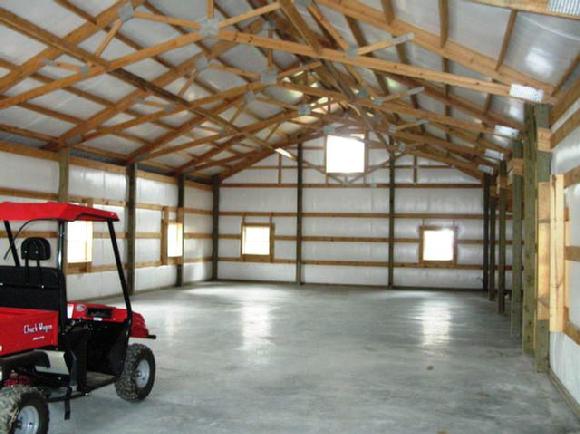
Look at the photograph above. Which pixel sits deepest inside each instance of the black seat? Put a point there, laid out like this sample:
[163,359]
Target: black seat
[33,286]
[35,249]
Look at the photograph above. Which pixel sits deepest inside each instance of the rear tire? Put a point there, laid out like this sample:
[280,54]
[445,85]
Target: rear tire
[138,377]
[23,410]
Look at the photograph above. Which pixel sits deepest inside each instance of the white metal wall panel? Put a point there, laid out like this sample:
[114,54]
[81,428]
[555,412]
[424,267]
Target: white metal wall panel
[564,352]
[28,173]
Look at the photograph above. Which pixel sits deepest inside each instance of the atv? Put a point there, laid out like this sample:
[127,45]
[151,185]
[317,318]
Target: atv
[52,349]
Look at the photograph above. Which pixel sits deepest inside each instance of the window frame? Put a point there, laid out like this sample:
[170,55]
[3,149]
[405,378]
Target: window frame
[85,263]
[348,136]
[253,257]
[166,229]
[432,228]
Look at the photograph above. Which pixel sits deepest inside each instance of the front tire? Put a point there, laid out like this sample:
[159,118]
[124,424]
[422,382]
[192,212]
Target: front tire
[23,410]
[138,377]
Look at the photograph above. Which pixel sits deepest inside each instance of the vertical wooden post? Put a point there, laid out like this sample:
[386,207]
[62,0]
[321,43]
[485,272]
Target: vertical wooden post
[131,226]
[529,280]
[63,193]
[180,281]
[486,212]
[558,267]
[216,227]
[492,243]
[299,211]
[501,286]
[517,195]
[63,174]
[392,210]
[543,175]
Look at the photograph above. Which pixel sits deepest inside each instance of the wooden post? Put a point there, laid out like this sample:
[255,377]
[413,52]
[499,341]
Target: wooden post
[215,230]
[299,210]
[392,210]
[517,194]
[486,212]
[502,186]
[180,281]
[131,225]
[63,174]
[529,279]
[543,175]
[558,267]
[63,193]
[492,238]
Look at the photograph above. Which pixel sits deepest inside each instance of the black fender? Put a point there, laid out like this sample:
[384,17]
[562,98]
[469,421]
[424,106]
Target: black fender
[29,359]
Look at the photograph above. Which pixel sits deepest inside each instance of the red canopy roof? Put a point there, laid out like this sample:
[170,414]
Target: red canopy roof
[12,211]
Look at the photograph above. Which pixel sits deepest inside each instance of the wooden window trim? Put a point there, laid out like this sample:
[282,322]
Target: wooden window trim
[259,258]
[423,229]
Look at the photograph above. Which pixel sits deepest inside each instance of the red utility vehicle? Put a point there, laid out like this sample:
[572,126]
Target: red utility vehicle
[52,349]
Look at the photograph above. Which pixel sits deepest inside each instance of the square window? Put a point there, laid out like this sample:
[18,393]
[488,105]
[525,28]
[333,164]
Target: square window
[345,155]
[174,239]
[256,239]
[80,242]
[438,244]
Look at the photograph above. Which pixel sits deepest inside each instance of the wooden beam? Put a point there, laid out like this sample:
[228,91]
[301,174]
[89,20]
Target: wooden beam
[502,205]
[180,281]
[215,227]
[299,209]
[542,283]
[392,219]
[530,198]
[558,267]
[486,230]
[32,65]
[131,227]
[300,25]
[443,22]
[542,7]
[517,204]
[365,62]
[492,289]
[453,51]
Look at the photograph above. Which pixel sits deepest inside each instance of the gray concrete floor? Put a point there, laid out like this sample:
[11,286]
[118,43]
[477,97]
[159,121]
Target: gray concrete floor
[248,358]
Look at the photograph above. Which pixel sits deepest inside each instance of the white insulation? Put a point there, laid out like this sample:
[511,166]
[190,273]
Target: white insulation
[40,175]
[368,200]
[564,352]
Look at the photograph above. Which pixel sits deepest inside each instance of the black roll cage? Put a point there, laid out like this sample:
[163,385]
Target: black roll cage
[60,256]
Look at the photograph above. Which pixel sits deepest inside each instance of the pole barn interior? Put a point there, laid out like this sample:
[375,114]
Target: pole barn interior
[347,216]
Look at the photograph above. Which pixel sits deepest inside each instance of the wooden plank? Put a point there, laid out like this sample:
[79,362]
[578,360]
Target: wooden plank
[573,253]
[215,227]
[349,186]
[572,177]
[565,129]
[558,283]
[364,264]
[543,255]
[409,216]
[517,211]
